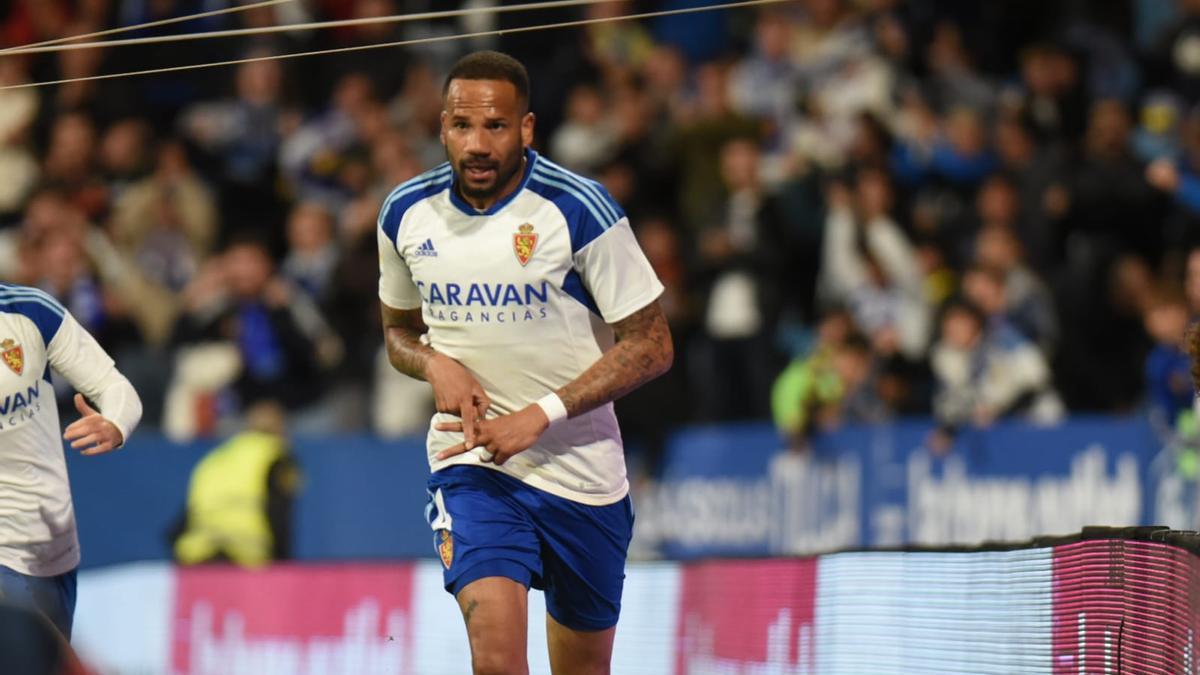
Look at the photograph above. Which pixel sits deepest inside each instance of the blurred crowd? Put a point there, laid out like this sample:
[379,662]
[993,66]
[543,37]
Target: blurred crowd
[860,208]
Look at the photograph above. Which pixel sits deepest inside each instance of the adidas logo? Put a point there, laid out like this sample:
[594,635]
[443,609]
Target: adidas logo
[427,249]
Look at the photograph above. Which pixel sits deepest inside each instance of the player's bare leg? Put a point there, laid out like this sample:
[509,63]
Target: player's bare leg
[578,652]
[496,611]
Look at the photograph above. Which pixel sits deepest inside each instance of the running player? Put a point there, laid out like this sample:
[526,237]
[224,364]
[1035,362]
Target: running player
[517,289]
[39,549]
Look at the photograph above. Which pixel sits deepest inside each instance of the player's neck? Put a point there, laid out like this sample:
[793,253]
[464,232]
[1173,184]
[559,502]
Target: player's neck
[485,203]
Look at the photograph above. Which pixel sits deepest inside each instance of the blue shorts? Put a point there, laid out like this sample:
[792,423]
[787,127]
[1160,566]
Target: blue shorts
[488,524]
[54,597]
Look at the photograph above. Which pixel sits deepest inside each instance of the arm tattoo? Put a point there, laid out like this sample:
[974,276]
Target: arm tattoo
[643,352]
[469,610]
[402,331]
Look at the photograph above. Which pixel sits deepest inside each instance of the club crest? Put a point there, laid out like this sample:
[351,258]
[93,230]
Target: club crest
[13,355]
[524,242]
[446,548]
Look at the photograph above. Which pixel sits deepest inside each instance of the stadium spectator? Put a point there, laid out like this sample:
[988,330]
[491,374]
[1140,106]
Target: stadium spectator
[697,139]
[1179,177]
[1029,304]
[1037,172]
[824,390]
[958,158]
[1159,120]
[123,155]
[70,164]
[312,255]
[617,48]
[315,157]
[1107,188]
[588,137]
[66,274]
[869,265]
[284,345]
[1052,98]
[954,81]
[988,372]
[415,114]
[738,271]
[241,137]
[1168,367]
[765,84]
[167,221]
[17,160]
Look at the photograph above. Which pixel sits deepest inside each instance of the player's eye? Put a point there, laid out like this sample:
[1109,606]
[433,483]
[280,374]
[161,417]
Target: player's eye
[460,125]
[496,125]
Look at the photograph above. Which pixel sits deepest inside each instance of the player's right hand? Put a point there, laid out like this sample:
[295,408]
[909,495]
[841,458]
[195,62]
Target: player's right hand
[456,392]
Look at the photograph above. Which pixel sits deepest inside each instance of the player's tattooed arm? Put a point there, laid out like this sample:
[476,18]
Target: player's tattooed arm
[643,352]
[402,331]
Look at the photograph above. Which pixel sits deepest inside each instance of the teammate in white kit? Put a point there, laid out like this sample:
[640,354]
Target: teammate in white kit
[517,289]
[39,549]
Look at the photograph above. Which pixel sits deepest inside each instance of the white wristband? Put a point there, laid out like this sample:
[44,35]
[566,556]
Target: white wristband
[553,406]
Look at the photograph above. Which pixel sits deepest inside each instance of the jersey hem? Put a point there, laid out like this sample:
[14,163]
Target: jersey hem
[535,481]
[62,567]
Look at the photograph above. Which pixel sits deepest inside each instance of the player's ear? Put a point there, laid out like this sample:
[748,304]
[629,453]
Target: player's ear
[527,129]
[442,128]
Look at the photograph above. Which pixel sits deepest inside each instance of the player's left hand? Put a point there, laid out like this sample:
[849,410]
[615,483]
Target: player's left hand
[92,431]
[502,436]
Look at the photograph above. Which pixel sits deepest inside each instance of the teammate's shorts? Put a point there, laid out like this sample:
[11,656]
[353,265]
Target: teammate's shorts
[488,524]
[54,597]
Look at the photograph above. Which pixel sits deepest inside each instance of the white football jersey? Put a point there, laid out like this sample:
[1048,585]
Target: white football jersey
[521,295]
[37,520]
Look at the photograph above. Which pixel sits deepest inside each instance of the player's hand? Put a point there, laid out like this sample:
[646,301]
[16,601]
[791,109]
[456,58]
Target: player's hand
[502,436]
[455,391]
[92,431]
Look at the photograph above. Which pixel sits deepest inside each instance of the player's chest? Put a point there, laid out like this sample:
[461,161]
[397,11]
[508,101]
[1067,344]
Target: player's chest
[22,365]
[511,250]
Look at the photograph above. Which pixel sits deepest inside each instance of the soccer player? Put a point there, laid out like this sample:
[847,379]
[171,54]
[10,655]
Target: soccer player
[517,289]
[39,549]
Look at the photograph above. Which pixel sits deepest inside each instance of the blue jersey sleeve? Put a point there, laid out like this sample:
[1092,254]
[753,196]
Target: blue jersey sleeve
[587,207]
[38,306]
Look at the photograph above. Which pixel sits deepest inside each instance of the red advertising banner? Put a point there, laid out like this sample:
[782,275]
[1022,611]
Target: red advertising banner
[1125,606]
[738,615]
[294,620]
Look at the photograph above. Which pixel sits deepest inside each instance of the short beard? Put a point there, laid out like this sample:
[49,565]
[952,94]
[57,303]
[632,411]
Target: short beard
[502,179]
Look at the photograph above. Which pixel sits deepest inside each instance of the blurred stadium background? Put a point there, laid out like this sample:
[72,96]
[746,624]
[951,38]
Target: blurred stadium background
[929,268]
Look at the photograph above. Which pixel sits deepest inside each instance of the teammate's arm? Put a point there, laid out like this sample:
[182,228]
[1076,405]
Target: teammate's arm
[455,390]
[75,354]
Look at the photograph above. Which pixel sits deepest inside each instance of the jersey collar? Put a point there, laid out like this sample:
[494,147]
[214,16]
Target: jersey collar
[462,205]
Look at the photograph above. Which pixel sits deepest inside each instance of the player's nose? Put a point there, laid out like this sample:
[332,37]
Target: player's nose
[477,144]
